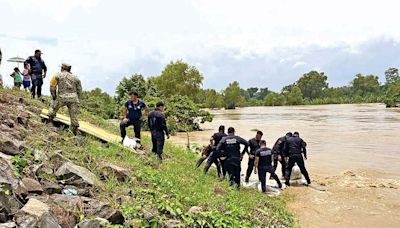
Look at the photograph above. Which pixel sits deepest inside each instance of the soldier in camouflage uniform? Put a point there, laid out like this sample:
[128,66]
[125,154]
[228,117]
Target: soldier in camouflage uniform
[66,90]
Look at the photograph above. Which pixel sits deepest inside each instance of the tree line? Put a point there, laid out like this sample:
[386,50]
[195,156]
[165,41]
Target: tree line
[180,86]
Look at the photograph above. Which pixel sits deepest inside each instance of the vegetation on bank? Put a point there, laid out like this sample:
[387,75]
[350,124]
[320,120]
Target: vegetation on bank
[160,192]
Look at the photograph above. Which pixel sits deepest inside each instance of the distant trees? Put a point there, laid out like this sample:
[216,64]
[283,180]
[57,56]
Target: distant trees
[365,85]
[99,103]
[393,87]
[313,84]
[232,95]
[391,75]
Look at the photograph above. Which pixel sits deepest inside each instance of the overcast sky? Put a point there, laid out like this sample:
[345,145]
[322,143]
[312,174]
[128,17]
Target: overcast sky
[256,42]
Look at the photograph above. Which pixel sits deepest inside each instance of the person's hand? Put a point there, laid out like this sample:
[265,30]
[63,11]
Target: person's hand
[255,171]
[44,75]
[167,136]
[251,156]
[305,157]
[279,158]
[125,120]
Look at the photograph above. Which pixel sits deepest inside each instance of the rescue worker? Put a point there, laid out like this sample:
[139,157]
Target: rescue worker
[158,128]
[278,151]
[254,145]
[38,70]
[231,146]
[215,157]
[206,153]
[263,165]
[133,115]
[66,90]
[295,147]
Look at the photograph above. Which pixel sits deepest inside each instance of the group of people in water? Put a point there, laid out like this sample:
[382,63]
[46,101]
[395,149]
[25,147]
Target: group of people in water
[224,150]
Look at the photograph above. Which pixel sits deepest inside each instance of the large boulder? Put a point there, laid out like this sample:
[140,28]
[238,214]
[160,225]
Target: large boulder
[36,214]
[121,174]
[32,185]
[9,146]
[76,175]
[64,217]
[8,178]
[8,225]
[9,205]
[57,160]
[50,187]
[93,223]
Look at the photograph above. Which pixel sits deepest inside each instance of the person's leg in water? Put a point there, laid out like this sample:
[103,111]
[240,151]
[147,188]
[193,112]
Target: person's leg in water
[270,169]
[262,177]
[289,168]
[249,169]
[300,163]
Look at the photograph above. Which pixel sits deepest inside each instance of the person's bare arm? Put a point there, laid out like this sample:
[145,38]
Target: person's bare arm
[125,115]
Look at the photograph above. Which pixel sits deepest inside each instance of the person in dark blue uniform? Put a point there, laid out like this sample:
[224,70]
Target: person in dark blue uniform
[205,154]
[158,128]
[38,71]
[296,147]
[263,164]
[133,115]
[278,150]
[254,145]
[215,157]
[231,146]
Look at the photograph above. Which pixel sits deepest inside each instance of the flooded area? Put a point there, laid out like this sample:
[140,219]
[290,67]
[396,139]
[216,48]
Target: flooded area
[353,149]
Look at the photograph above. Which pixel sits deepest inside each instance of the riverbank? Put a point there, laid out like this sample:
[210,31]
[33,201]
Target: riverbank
[350,148]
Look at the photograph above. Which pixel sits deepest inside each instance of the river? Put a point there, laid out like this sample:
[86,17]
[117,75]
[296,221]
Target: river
[353,149]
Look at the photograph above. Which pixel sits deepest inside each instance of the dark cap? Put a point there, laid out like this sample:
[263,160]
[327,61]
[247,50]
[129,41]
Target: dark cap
[263,142]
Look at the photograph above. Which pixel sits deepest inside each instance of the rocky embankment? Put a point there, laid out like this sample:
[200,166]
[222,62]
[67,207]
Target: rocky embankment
[46,189]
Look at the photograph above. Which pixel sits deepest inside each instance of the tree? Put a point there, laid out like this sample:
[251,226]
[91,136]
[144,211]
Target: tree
[262,92]
[293,96]
[252,91]
[391,75]
[232,95]
[98,103]
[213,99]
[179,78]
[274,99]
[393,94]
[313,84]
[365,85]
[135,83]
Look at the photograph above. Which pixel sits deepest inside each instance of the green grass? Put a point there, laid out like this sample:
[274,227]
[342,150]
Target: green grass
[166,189]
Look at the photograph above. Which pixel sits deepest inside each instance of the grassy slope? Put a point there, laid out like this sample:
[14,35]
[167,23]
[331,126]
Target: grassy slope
[167,190]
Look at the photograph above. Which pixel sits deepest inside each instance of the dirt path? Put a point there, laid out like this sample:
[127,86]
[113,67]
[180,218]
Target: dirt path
[358,198]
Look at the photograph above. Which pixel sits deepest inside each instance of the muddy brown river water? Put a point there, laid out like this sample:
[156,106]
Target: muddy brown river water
[353,149]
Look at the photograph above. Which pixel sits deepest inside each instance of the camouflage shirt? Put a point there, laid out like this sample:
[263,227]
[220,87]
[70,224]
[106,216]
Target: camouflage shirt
[65,87]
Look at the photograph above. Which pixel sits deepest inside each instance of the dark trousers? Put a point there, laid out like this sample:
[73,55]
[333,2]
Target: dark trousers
[137,124]
[158,139]
[262,176]
[223,167]
[233,169]
[250,167]
[213,159]
[283,164]
[37,87]
[296,159]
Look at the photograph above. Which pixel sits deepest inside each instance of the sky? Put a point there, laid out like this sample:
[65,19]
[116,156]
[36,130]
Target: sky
[258,43]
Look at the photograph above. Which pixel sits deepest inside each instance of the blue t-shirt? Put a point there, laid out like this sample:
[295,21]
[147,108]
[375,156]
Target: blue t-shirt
[135,110]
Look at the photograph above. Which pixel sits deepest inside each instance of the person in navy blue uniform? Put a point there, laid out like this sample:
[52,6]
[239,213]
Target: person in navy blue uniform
[254,144]
[231,146]
[158,128]
[214,157]
[37,70]
[133,115]
[278,150]
[263,164]
[295,148]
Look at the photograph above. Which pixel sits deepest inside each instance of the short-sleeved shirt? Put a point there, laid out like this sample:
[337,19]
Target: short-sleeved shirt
[26,75]
[135,110]
[17,77]
[265,156]
[254,145]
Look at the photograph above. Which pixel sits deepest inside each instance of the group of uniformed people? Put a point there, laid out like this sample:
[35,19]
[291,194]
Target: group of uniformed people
[225,152]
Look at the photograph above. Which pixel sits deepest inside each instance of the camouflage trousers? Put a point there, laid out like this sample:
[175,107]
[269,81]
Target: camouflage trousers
[73,108]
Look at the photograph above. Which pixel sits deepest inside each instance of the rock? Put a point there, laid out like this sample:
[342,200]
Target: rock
[119,173]
[51,188]
[123,199]
[76,175]
[65,218]
[36,214]
[173,223]
[8,146]
[32,185]
[8,178]
[8,225]
[23,118]
[40,156]
[195,210]
[93,223]
[57,159]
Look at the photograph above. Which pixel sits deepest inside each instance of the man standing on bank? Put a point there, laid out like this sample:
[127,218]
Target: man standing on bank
[254,144]
[231,146]
[38,72]
[158,128]
[133,115]
[295,147]
[66,90]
